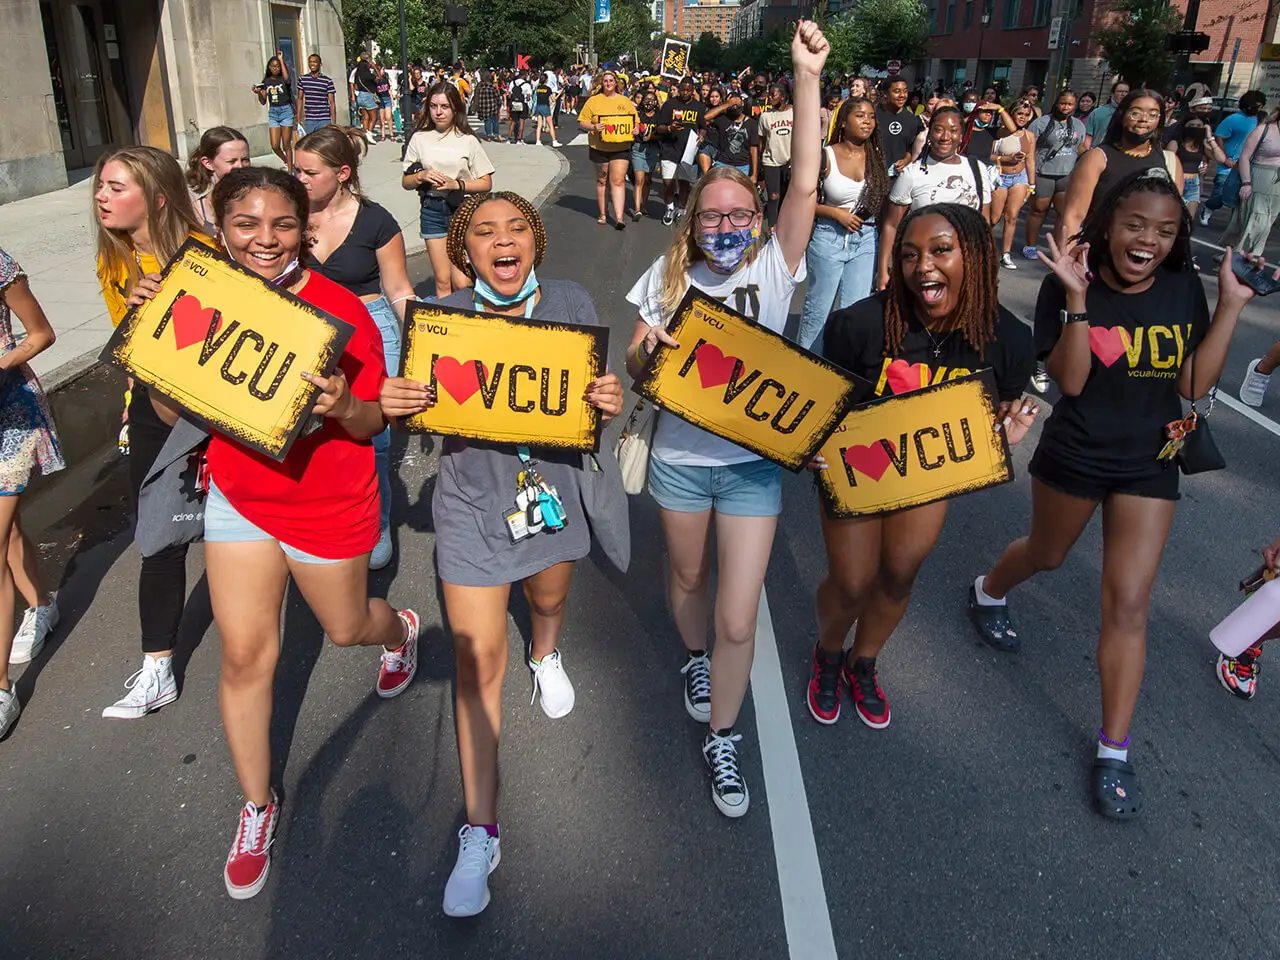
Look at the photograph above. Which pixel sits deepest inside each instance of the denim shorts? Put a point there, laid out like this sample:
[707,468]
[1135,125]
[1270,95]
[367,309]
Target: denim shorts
[1191,189]
[223,523]
[542,110]
[311,126]
[644,157]
[366,100]
[751,489]
[434,220]
[744,168]
[1008,180]
[384,101]
[280,116]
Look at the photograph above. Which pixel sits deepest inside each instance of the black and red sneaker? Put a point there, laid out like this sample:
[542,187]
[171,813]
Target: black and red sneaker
[824,686]
[868,698]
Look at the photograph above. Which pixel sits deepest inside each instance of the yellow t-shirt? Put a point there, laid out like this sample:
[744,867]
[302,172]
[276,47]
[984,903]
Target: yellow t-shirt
[618,114]
[115,284]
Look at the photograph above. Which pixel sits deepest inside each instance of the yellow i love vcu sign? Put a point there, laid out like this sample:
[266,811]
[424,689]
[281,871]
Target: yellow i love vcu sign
[745,383]
[229,347]
[619,128]
[916,448]
[505,379]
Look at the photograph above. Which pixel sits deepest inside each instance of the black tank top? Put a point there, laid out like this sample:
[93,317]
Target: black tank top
[1120,165]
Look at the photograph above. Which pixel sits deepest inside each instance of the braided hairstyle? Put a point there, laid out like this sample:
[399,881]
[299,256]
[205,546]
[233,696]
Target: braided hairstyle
[1096,229]
[456,240]
[876,168]
[976,311]
[938,113]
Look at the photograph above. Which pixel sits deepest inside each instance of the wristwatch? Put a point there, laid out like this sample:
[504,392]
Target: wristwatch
[1072,317]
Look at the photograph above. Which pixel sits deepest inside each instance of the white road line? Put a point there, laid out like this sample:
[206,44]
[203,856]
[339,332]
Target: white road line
[804,901]
[1249,413]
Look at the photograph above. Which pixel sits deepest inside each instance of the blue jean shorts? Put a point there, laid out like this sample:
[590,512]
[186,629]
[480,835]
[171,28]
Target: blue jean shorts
[280,116]
[542,110]
[1191,189]
[384,101]
[644,157]
[742,168]
[434,220]
[366,100]
[751,489]
[1008,180]
[311,126]
[223,523]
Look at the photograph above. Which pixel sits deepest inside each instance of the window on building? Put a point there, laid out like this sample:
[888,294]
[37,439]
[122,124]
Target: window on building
[1040,16]
[968,15]
[1012,13]
[950,24]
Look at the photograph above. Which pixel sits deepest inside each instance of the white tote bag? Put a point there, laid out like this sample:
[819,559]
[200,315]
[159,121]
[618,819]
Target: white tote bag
[633,446]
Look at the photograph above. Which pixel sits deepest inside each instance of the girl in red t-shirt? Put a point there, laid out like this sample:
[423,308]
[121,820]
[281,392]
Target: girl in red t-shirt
[313,517]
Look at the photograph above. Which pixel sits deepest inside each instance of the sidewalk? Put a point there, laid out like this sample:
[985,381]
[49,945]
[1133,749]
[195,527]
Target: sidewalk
[52,237]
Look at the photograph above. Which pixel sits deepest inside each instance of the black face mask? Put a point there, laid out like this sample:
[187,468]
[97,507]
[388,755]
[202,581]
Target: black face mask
[734,112]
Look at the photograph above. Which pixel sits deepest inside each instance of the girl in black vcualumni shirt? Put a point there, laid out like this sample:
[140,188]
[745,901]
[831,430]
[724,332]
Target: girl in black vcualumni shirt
[937,320]
[1116,324]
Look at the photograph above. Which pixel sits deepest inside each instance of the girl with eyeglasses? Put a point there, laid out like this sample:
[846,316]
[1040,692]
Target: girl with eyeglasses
[722,249]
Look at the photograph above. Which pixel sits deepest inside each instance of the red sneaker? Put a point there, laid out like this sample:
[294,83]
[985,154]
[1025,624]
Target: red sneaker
[399,665]
[250,857]
[868,698]
[824,686]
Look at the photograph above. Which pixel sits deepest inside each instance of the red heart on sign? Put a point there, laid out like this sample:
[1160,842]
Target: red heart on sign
[714,368]
[904,377]
[459,377]
[191,322]
[1107,343]
[873,460]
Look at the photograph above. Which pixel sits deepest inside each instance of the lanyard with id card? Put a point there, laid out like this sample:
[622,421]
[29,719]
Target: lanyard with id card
[538,507]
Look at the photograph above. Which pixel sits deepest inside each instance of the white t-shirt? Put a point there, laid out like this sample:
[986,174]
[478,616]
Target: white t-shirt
[761,291]
[453,154]
[919,185]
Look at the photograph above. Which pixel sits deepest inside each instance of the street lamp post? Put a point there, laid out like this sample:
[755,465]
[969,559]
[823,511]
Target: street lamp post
[982,33]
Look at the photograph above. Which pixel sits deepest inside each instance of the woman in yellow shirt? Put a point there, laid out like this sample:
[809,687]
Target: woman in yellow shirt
[144,214]
[609,118]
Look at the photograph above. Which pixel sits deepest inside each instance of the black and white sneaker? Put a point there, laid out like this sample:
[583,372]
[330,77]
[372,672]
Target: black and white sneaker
[1040,379]
[728,792]
[993,624]
[697,687]
[669,216]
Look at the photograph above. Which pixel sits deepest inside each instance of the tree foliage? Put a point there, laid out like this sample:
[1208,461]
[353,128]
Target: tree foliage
[770,53]
[1132,38]
[379,21]
[706,52]
[877,31]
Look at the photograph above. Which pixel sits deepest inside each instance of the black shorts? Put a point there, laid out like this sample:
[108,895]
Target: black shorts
[1069,476]
[605,156]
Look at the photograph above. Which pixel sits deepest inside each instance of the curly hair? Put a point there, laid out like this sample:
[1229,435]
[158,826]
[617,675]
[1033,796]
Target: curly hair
[876,168]
[978,305]
[456,240]
[1096,229]
[244,180]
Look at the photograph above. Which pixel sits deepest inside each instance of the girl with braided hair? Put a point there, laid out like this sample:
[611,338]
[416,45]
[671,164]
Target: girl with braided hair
[1123,326]
[497,240]
[937,319]
[842,251]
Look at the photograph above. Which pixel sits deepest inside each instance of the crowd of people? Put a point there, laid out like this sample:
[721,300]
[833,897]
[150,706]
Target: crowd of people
[886,202]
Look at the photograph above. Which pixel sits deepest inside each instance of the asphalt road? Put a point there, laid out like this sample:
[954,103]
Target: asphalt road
[962,830]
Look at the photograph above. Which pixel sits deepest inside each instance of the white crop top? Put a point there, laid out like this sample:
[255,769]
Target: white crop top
[839,190]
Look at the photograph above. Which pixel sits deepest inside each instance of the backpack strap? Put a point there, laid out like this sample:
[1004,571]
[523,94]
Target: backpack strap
[978,179]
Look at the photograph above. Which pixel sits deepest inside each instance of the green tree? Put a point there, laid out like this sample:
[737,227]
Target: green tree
[1132,38]
[877,31]
[379,21]
[706,51]
[628,31]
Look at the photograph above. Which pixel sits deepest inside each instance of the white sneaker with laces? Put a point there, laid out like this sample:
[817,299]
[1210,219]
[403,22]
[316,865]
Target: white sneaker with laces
[10,708]
[149,689]
[555,142]
[467,891]
[1040,379]
[383,550]
[37,624]
[728,791]
[550,680]
[1205,214]
[1006,261]
[1253,388]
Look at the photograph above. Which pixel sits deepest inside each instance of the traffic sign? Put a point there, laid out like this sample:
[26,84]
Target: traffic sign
[893,67]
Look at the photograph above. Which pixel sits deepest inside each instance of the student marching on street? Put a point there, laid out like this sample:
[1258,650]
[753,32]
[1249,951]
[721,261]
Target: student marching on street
[545,99]
[842,252]
[644,151]
[382,89]
[1230,134]
[499,239]
[773,128]
[1124,326]
[443,162]
[316,96]
[221,150]
[937,318]
[519,97]
[30,447]
[312,518]
[357,244]
[1059,139]
[1099,118]
[680,118]
[698,479]
[609,150]
[363,83]
[487,103]
[1016,172]
[275,92]
[897,125]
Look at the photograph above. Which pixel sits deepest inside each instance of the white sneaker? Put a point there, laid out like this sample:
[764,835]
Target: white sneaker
[679,214]
[1040,379]
[1204,215]
[467,891]
[9,709]
[550,680]
[149,689]
[728,791]
[37,624]
[1006,261]
[669,216]
[555,142]
[1253,388]
[383,551]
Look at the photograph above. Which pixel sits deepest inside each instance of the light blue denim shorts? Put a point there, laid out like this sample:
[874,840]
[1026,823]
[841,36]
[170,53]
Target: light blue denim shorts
[281,116]
[223,523]
[751,489]
[366,100]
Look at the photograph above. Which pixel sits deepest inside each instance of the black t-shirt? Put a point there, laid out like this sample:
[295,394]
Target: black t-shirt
[279,91]
[366,79]
[854,339]
[898,132]
[1139,342]
[542,94]
[647,121]
[690,114]
[732,139]
[982,143]
[354,264]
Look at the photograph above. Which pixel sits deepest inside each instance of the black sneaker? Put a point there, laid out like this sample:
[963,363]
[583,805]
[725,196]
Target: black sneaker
[697,687]
[868,699]
[728,792]
[994,625]
[636,215]
[824,686]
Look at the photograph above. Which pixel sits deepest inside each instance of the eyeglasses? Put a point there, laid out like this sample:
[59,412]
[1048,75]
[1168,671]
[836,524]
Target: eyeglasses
[1138,114]
[711,219]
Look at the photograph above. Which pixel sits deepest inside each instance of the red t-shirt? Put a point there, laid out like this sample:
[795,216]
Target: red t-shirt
[323,499]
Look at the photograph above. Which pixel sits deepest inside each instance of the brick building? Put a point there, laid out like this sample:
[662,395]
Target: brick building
[1018,48]
[755,18]
[692,20]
